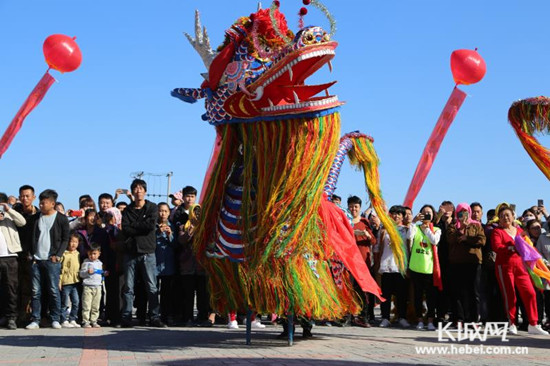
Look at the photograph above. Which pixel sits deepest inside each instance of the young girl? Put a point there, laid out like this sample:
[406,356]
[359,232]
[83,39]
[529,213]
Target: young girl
[68,282]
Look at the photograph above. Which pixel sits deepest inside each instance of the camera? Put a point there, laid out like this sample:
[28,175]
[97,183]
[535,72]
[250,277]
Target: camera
[427,217]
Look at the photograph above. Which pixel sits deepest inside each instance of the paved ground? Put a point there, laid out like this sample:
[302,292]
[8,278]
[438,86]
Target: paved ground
[348,346]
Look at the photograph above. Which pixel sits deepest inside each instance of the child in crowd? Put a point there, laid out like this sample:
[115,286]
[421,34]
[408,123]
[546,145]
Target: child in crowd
[68,283]
[91,272]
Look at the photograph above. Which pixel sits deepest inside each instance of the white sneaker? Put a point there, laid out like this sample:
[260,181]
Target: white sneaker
[536,329]
[385,323]
[86,325]
[431,326]
[512,329]
[74,324]
[32,325]
[256,323]
[233,324]
[420,326]
[56,325]
[66,324]
[404,323]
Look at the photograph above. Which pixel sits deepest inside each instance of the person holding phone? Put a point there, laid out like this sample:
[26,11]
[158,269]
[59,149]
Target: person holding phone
[392,281]
[425,236]
[466,239]
[10,246]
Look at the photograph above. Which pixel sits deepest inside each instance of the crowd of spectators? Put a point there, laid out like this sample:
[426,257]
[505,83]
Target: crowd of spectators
[95,265]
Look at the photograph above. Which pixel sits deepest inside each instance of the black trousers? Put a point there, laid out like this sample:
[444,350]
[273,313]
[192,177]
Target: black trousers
[24,291]
[394,284]
[195,284]
[464,277]
[167,291]
[443,297]
[113,288]
[543,304]
[9,284]
[423,283]
[140,296]
[491,307]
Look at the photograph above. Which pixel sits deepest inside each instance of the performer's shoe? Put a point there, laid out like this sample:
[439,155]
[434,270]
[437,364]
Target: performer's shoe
[306,333]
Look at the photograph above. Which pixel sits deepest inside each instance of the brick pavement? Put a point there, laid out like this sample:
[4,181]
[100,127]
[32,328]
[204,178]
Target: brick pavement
[349,346]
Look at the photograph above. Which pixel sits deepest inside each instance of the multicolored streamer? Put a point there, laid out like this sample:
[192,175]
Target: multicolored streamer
[532,259]
[364,157]
[528,117]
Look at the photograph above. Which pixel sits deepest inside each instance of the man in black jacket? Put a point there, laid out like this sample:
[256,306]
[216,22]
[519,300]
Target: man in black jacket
[139,222]
[50,237]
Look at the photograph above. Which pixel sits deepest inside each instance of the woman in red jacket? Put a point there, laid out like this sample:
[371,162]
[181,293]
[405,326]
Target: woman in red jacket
[511,272]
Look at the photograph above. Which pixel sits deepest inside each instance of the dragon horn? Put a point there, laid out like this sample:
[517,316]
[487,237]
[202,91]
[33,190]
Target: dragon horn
[201,42]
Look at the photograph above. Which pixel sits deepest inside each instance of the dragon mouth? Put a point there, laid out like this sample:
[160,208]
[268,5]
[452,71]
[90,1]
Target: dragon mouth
[281,89]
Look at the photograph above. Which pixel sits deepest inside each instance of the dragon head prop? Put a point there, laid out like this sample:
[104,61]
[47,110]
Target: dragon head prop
[266,226]
[259,71]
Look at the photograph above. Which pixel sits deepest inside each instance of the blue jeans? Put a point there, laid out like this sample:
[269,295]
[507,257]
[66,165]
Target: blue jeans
[69,291]
[46,272]
[147,265]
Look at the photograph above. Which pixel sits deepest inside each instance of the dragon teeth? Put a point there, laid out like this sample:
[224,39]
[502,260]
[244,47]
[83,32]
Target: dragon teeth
[316,103]
[296,99]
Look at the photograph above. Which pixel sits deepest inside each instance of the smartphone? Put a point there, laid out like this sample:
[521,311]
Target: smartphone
[427,217]
[124,191]
[540,203]
[1,208]
[513,207]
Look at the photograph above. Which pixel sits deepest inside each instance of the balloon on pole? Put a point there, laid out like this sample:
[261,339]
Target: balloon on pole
[62,54]
[468,67]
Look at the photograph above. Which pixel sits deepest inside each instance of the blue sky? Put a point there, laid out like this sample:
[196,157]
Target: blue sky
[115,116]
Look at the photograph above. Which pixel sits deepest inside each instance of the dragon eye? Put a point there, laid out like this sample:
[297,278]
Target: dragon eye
[309,37]
[326,37]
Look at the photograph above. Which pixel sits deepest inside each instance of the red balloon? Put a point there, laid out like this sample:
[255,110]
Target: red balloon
[468,66]
[62,53]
